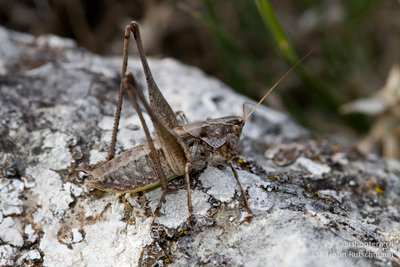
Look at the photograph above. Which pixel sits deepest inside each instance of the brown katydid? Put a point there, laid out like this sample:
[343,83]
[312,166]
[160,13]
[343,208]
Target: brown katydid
[177,149]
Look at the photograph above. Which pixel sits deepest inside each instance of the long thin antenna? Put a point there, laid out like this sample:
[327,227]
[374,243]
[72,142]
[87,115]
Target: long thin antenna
[309,53]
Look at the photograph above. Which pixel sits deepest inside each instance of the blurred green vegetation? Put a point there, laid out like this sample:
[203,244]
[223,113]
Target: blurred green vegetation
[244,40]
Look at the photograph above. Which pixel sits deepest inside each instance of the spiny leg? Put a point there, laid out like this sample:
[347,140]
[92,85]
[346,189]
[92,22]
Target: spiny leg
[159,205]
[189,195]
[246,204]
[158,103]
[156,121]
[151,84]
[130,80]
[117,116]
[175,149]
[111,152]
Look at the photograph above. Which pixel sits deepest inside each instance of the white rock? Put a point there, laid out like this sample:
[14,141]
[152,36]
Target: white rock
[30,232]
[97,156]
[59,157]
[73,189]
[60,203]
[77,236]
[28,181]
[9,232]
[340,158]
[30,255]
[314,168]
[10,193]
[175,209]
[221,184]
[258,201]
[6,255]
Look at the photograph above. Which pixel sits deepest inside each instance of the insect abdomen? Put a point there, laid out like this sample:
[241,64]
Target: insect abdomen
[130,171]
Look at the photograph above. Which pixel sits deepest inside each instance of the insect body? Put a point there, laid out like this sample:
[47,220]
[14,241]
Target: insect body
[177,149]
[133,170]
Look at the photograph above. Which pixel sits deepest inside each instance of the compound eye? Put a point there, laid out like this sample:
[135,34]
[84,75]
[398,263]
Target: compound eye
[237,129]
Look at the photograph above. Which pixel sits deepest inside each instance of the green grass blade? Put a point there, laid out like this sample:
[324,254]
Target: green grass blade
[270,20]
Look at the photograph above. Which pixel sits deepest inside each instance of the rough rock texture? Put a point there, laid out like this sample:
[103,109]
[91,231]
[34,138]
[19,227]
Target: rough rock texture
[315,202]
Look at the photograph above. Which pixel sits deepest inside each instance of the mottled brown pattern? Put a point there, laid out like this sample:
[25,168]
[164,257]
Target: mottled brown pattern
[214,132]
[134,168]
[220,140]
[130,170]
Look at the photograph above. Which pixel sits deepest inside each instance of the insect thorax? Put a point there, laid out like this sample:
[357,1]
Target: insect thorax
[213,140]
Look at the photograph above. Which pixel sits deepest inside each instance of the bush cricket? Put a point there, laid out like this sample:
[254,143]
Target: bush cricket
[176,149]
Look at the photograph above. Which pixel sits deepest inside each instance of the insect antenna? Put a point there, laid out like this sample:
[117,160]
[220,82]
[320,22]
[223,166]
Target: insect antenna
[311,51]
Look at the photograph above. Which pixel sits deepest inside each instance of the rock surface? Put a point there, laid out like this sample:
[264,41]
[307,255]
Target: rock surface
[315,202]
